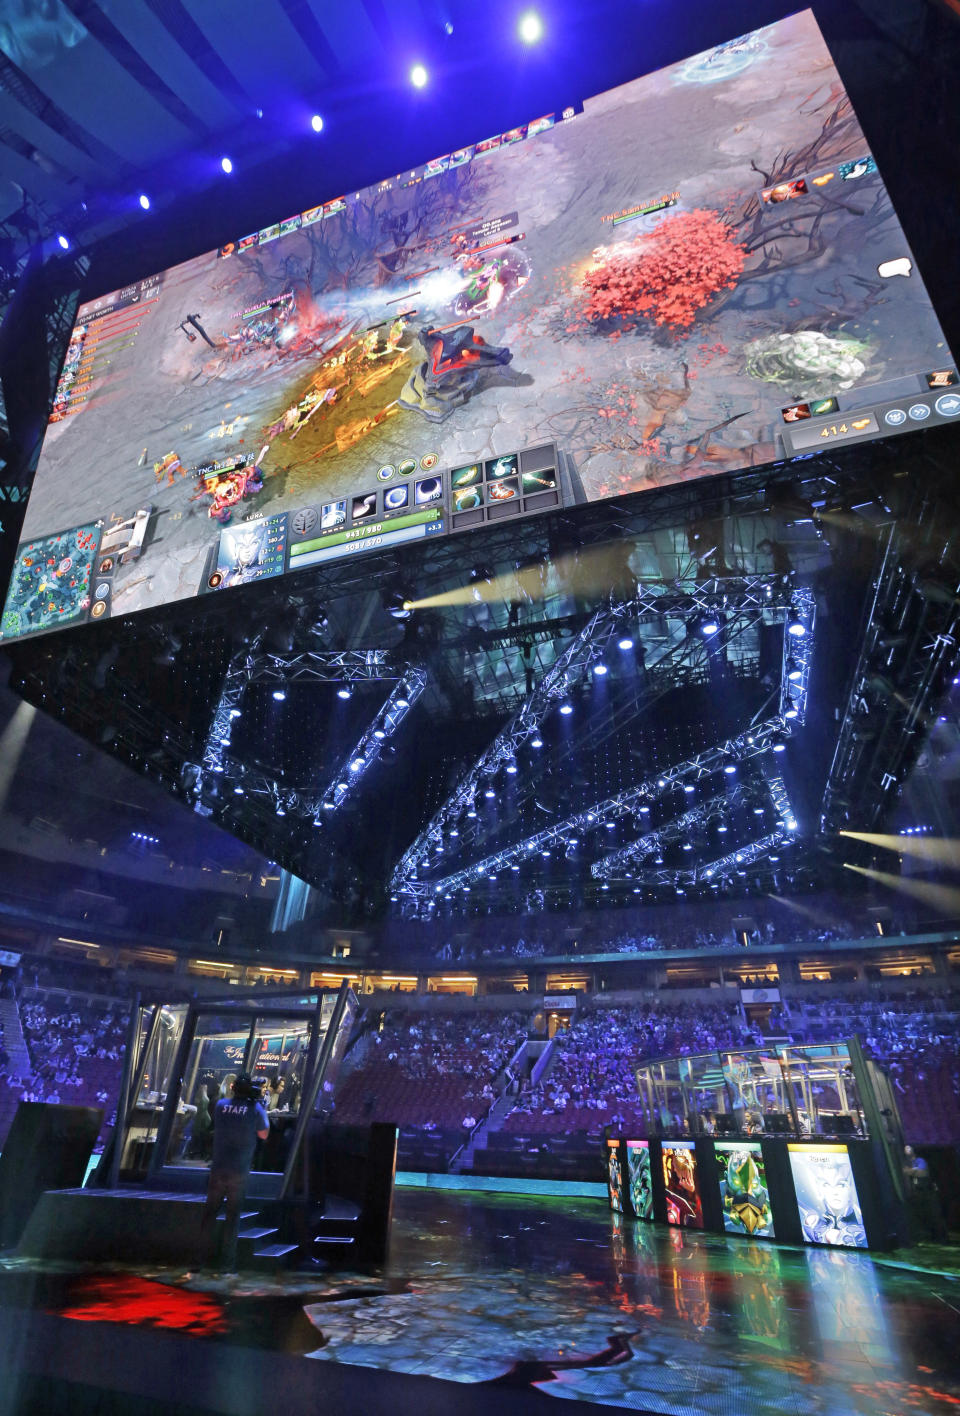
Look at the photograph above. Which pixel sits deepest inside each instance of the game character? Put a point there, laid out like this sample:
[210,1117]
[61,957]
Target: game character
[745,1198]
[195,321]
[245,548]
[170,464]
[454,364]
[683,1203]
[829,1212]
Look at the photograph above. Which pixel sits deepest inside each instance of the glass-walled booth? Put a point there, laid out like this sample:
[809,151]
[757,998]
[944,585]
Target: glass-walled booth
[182,1059]
[826,1090]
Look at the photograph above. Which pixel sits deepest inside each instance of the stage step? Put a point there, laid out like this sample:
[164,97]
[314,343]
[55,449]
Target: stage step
[256,1233]
[333,1238]
[273,1256]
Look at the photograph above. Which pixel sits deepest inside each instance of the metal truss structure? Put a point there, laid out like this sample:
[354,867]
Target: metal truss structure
[760,740]
[910,651]
[618,863]
[755,596]
[734,860]
[731,597]
[252,666]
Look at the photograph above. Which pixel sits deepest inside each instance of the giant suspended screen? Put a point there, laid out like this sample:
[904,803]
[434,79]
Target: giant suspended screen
[696,272]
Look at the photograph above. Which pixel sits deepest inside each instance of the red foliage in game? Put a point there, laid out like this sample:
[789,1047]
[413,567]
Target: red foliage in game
[669,274]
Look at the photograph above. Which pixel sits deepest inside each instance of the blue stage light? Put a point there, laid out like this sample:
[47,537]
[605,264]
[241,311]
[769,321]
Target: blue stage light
[689,788]
[379,734]
[356,764]
[610,825]
[599,670]
[794,671]
[144,201]
[512,768]
[344,692]
[687,846]
[489,793]
[280,811]
[536,741]
[234,712]
[625,643]
[530,27]
[514,867]
[403,702]
[721,829]
[544,853]
[419,76]
[454,832]
[792,713]
[566,709]
[779,747]
[63,242]
[238,791]
[472,813]
[709,627]
[279,694]
[226,165]
[316,123]
[797,628]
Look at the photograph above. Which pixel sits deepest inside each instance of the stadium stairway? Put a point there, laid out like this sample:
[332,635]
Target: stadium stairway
[13,1039]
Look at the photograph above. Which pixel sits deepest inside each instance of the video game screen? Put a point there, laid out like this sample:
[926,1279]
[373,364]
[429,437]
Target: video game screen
[639,1181]
[615,1176]
[696,272]
[682,1184]
[745,1200]
[827,1196]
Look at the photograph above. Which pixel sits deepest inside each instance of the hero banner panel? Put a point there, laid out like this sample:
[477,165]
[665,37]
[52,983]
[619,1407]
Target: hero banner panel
[640,1186]
[827,1196]
[744,1197]
[682,1185]
[696,272]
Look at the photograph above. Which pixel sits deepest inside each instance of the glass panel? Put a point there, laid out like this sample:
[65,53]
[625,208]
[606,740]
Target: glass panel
[824,1089]
[758,1092]
[278,1065]
[706,1091]
[216,1057]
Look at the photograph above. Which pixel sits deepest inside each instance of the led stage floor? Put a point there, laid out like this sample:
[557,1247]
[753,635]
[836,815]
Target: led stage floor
[538,1298]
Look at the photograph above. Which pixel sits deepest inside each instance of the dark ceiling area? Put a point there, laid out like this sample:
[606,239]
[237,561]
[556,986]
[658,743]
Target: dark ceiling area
[681,694]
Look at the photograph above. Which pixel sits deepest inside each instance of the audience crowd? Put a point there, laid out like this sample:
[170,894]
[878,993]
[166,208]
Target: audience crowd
[646,930]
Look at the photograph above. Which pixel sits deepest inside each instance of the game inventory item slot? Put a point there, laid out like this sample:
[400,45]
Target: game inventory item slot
[496,488]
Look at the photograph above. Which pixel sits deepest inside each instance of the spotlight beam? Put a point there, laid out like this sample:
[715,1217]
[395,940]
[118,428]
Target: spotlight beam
[942,897]
[939,850]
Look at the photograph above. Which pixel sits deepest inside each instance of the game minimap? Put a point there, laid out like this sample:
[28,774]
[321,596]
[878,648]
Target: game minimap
[697,272]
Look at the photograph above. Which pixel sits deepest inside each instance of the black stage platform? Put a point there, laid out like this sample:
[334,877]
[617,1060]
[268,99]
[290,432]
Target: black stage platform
[535,1297]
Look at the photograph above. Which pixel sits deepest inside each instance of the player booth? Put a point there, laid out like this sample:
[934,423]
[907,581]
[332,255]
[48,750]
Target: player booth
[180,1060]
[797,1143]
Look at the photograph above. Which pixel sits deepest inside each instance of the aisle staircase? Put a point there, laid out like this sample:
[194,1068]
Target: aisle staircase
[14,1040]
[533,1060]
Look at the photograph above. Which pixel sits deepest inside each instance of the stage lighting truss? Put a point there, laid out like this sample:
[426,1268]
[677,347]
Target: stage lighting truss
[755,743]
[773,598]
[616,866]
[347,666]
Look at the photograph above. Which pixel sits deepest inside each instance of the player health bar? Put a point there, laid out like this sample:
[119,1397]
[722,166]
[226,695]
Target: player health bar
[343,543]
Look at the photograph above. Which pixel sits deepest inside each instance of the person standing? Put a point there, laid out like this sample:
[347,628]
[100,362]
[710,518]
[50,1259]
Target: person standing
[239,1121]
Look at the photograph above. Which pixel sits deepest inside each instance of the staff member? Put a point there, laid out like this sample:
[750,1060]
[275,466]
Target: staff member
[238,1122]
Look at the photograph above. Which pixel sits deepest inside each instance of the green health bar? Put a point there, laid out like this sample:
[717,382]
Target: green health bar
[362,538]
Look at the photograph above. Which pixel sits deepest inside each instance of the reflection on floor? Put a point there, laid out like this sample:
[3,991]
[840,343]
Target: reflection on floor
[564,1297]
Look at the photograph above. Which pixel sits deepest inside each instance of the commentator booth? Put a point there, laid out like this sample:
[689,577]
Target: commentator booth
[798,1143]
[144,1196]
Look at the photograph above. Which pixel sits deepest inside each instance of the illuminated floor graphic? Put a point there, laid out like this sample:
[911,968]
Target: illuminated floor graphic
[564,1297]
